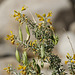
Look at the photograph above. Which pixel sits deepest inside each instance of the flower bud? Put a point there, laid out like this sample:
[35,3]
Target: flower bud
[24,58]
[20,34]
[17,56]
[42,51]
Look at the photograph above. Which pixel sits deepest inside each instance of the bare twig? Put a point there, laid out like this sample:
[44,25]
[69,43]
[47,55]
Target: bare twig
[69,41]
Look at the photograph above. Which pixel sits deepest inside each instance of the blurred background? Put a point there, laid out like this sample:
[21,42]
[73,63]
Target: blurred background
[63,18]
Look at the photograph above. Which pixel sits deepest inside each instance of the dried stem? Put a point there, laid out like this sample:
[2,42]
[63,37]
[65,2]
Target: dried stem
[69,41]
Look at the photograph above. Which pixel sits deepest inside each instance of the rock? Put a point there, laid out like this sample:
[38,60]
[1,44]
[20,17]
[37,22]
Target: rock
[72,27]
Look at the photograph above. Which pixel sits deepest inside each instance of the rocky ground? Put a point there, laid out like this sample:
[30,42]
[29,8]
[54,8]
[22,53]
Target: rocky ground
[63,17]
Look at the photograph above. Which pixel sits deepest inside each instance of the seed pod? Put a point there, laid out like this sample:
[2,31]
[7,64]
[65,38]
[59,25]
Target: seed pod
[42,51]
[20,34]
[27,30]
[27,39]
[28,33]
[24,58]
[17,56]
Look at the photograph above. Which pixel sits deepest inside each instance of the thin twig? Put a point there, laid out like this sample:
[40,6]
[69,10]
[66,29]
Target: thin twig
[69,41]
[32,16]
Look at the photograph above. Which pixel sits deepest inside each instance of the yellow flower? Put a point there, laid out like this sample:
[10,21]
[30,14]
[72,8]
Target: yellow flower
[49,14]
[22,68]
[11,37]
[40,24]
[40,39]
[68,54]
[20,21]
[14,15]
[30,43]
[23,15]
[23,8]
[34,49]
[19,13]
[74,56]
[41,19]
[44,15]
[15,11]
[17,18]
[52,28]
[17,44]
[7,70]
[11,32]
[8,37]
[71,61]
[39,16]
[35,40]
[13,41]
[66,62]
[74,61]
[67,57]
[48,20]
[23,72]
[50,23]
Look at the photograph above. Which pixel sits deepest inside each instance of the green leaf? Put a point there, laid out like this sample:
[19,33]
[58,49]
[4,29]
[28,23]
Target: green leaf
[55,39]
[42,64]
[17,56]
[42,51]
[38,68]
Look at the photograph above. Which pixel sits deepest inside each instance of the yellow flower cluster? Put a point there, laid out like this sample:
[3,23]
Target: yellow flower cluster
[7,70]
[49,14]
[66,62]
[45,19]
[11,37]
[18,16]
[23,8]
[33,43]
[22,68]
[40,17]
[68,57]
[39,25]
